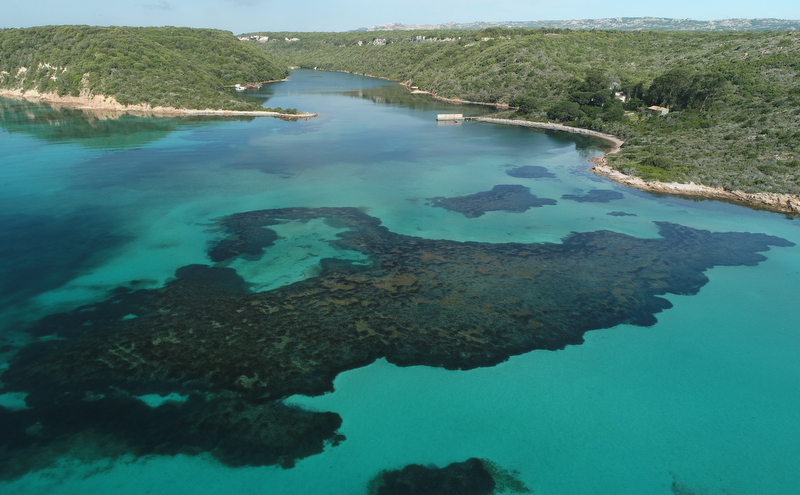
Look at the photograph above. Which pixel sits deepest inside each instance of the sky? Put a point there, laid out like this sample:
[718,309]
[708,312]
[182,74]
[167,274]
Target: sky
[245,16]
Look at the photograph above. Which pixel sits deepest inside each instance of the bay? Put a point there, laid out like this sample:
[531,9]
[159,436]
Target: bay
[703,401]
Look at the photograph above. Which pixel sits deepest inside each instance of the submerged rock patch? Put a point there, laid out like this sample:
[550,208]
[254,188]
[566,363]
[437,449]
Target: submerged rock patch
[238,353]
[460,478]
[594,196]
[511,198]
[471,477]
[531,172]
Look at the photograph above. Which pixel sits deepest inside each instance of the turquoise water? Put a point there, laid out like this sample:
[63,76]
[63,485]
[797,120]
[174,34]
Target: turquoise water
[703,402]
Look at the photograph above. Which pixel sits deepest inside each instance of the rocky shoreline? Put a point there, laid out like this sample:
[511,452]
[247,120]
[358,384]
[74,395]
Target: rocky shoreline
[783,203]
[109,104]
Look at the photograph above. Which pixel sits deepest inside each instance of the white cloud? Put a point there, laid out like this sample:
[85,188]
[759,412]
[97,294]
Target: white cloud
[162,5]
[248,3]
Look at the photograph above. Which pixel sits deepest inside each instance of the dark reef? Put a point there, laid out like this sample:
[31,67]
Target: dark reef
[460,478]
[237,353]
[531,172]
[511,198]
[621,214]
[594,196]
[238,431]
[471,477]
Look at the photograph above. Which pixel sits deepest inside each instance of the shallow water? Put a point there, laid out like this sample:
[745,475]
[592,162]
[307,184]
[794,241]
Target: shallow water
[702,402]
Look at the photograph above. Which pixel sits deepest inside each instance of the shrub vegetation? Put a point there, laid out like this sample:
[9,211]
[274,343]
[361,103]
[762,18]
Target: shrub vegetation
[734,97]
[167,66]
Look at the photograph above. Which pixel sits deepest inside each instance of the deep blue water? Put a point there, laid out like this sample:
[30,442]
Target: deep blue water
[703,402]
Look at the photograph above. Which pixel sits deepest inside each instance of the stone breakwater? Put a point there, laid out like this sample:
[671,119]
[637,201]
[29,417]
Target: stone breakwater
[785,203]
[617,142]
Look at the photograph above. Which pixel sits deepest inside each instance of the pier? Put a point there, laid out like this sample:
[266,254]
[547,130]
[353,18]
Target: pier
[450,117]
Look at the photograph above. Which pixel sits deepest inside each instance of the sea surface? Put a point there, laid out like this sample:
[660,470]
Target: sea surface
[704,401]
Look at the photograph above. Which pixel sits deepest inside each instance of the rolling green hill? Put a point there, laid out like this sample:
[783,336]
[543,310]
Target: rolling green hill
[174,67]
[734,96]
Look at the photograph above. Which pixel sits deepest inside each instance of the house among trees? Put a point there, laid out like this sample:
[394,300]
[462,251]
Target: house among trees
[657,110]
[260,39]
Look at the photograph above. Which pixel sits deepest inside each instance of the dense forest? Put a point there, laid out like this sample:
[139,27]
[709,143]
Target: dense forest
[174,67]
[734,97]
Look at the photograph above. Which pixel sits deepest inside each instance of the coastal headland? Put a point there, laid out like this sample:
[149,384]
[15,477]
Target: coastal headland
[784,203]
[731,128]
[109,104]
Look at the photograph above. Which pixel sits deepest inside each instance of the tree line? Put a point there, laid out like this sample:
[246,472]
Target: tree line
[734,97]
[167,66]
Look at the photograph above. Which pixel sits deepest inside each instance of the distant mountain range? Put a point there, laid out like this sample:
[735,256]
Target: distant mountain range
[615,23]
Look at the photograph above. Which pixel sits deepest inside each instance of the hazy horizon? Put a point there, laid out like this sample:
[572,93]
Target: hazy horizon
[243,16]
